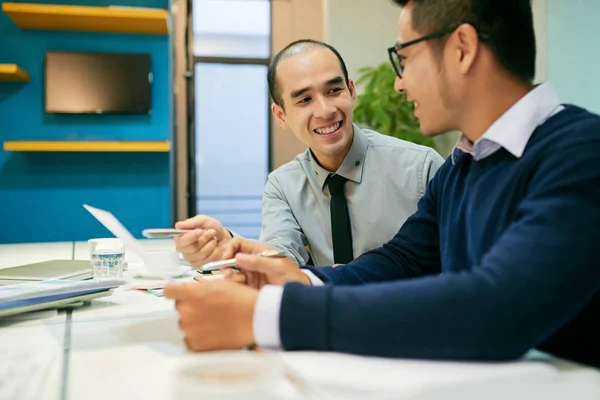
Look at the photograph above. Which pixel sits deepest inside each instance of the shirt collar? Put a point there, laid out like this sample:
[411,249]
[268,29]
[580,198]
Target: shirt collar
[514,128]
[352,166]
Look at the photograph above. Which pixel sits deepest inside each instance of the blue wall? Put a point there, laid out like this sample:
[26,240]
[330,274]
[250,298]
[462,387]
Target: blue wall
[41,194]
[573,51]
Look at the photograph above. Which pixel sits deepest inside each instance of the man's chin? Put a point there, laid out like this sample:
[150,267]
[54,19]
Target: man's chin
[432,132]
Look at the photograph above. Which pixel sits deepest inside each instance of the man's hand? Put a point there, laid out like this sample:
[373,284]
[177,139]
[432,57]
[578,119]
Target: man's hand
[214,315]
[260,271]
[204,243]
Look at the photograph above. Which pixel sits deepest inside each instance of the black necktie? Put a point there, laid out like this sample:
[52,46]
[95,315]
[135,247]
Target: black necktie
[340,221]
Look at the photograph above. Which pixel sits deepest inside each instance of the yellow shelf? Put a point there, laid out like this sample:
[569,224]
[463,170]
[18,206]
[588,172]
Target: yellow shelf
[89,146]
[12,72]
[88,19]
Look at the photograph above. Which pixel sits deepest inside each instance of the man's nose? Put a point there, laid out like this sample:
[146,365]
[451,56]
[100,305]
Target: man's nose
[399,85]
[325,109]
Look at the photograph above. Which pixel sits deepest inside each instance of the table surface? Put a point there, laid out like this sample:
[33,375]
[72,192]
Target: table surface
[128,345]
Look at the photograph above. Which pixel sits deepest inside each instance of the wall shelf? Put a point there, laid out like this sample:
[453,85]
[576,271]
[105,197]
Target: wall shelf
[88,19]
[89,146]
[12,72]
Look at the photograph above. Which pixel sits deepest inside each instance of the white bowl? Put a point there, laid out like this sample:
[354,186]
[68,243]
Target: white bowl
[227,376]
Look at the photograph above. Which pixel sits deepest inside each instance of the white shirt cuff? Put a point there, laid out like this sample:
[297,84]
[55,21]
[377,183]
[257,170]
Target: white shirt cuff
[265,323]
[313,278]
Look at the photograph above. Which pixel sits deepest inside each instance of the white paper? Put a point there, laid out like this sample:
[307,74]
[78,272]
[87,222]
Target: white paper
[116,228]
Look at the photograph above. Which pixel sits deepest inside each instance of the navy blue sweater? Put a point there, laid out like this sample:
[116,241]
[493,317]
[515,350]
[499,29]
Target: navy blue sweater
[502,256]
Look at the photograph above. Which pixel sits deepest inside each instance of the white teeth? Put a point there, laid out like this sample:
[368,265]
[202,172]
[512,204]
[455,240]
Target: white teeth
[332,128]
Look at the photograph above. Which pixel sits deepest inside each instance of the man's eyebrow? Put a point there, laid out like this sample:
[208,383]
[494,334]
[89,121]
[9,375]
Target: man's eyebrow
[335,81]
[299,92]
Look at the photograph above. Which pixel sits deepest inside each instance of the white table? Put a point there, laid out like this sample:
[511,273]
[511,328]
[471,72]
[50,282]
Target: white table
[44,328]
[128,346]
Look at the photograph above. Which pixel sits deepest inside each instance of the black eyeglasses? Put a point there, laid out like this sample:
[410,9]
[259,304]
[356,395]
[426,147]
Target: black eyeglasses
[396,59]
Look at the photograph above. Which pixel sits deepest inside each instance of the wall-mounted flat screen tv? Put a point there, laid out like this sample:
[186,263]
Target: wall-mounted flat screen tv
[98,83]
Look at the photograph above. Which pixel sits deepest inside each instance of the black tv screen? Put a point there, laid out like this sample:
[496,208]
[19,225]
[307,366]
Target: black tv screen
[98,83]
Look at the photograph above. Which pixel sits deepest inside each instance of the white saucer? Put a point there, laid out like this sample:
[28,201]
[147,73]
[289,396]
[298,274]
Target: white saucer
[175,273]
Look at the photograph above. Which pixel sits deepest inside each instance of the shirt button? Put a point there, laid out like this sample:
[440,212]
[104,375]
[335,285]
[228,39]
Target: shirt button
[357,163]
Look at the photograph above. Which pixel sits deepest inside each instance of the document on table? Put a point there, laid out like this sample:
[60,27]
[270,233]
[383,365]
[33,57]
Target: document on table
[11,295]
[111,223]
[22,371]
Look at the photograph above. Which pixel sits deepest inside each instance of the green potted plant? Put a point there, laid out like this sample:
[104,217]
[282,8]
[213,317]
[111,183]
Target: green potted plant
[379,107]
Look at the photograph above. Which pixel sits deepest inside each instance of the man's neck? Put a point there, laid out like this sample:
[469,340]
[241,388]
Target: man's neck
[488,104]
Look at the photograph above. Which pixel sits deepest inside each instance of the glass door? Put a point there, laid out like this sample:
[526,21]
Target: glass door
[231,46]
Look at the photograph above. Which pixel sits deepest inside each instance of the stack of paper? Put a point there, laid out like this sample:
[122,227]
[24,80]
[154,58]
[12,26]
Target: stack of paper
[33,293]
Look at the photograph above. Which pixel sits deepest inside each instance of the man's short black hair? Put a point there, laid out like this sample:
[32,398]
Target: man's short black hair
[289,50]
[507,24]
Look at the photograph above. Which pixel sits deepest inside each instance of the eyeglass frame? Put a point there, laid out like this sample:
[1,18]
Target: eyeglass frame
[393,51]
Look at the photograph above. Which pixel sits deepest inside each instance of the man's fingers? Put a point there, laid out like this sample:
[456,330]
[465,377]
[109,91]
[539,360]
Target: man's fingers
[178,291]
[240,245]
[210,252]
[206,237]
[199,221]
[205,253]
[238,277]
[231,248]
[252,279]
[186,340]
[187,240]
[182,225]
[253,263]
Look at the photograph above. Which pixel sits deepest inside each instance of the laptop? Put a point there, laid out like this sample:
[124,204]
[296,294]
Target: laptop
[52,269]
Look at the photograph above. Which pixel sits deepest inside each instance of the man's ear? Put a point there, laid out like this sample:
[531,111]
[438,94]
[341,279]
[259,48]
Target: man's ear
[279,115]
[352,89]
[467,47]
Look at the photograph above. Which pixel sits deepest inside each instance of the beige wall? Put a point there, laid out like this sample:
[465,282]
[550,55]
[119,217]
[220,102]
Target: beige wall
[361,30]
[292,20]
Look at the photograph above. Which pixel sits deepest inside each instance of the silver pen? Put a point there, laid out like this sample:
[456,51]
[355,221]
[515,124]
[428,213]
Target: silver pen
[231,263]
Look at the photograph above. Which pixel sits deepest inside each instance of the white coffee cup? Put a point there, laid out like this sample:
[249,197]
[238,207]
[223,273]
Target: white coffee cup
[228,376]
[162,261]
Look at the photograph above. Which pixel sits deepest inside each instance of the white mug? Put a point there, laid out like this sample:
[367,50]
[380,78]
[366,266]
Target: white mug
[162,261]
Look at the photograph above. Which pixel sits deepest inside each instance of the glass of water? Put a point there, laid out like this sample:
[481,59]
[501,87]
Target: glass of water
[107,257]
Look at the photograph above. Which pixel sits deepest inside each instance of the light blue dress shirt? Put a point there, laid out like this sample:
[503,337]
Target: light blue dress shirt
[386,178]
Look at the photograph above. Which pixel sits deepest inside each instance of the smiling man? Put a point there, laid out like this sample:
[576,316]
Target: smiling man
[348,193]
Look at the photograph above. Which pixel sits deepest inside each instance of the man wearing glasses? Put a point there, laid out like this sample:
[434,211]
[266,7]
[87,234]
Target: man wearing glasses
[500,257]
